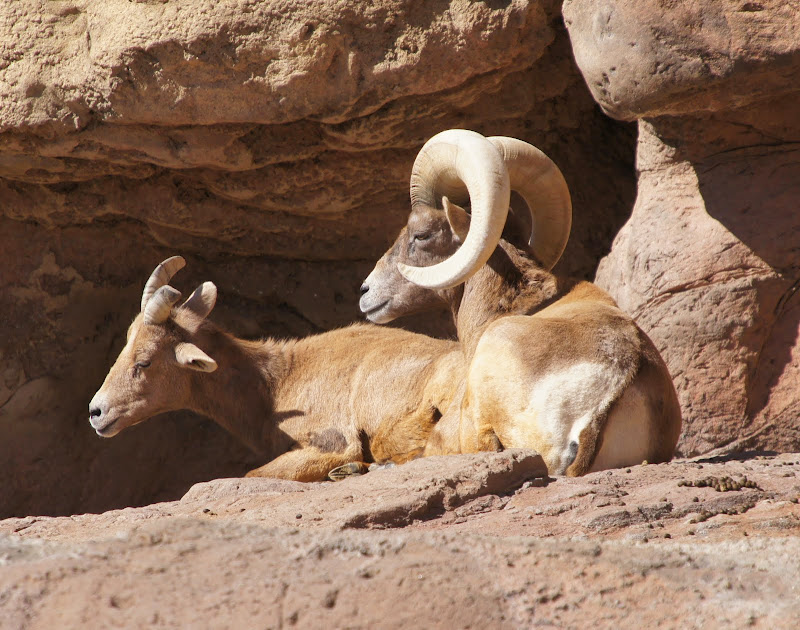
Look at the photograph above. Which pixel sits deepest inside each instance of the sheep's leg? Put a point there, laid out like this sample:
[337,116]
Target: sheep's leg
[479,413]
[306,464]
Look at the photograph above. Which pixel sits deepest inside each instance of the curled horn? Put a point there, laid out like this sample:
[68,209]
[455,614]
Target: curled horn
[451,163]
[161,275]
[159,306]
[540,183]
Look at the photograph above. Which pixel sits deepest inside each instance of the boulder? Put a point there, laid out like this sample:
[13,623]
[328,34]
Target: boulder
[659,58]
[709,261]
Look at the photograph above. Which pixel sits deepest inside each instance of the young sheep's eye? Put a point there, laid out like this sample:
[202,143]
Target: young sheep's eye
[140,365]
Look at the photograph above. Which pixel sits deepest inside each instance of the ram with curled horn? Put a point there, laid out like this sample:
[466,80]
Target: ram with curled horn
[553,363]
[324,405]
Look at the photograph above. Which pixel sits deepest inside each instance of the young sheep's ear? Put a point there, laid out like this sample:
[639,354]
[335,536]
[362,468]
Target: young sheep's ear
[457,217]
[192,357]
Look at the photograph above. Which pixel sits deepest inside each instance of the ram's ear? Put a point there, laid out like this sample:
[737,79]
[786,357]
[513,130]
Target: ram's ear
[457,217]
[190,356]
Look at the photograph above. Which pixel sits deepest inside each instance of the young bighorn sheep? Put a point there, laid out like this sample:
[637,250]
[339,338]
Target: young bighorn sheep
[553,363]
[357,394]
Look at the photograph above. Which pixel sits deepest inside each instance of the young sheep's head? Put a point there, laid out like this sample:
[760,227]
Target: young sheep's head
[152,373]
[442,245]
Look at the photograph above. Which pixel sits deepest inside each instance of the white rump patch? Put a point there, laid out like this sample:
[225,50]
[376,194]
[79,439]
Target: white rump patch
[564,403]
[626,438]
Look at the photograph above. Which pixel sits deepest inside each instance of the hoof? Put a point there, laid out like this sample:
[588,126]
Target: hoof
[377,466]
[353,469]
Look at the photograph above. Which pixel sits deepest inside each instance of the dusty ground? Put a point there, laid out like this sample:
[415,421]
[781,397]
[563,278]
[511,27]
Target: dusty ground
[458,542]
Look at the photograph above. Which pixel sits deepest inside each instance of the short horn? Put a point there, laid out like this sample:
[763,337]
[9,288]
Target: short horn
[161,275]
[201,301]
[450,163]
[540,183]
[159,306]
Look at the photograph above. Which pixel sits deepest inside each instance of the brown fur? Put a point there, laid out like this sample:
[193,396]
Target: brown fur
[328,441]
[307,405]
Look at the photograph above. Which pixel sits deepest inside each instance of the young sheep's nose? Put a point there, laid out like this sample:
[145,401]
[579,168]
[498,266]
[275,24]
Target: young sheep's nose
[95,412]
[364,288]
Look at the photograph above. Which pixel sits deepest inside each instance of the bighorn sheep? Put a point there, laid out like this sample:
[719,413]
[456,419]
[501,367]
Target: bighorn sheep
[553,363]
[357,394]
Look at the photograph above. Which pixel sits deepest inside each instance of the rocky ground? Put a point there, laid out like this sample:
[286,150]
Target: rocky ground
[458,542]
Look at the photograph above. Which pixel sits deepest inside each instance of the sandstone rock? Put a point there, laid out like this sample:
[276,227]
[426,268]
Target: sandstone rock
[657,58]
[268,128]
[650,546]
[702,499]
[186,573]
[229,489]
[708,262]
[232,122]
[394,497]
[270,143]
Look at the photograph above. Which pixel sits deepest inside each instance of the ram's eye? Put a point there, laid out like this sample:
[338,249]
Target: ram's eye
[422,236]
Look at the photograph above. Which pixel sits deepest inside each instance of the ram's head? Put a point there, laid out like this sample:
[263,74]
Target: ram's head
[443,245]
